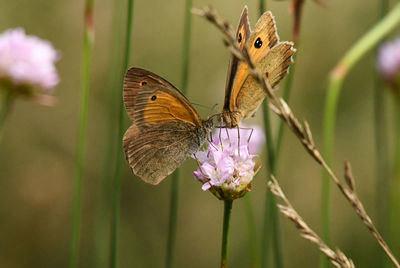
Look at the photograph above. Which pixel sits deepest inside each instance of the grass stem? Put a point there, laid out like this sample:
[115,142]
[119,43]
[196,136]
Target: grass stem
[117,174]
[104,206]
[175,177]
[381,148]
[271,219]
[394,218]
[271,224]
[285,95]
[88,40]
[173,215]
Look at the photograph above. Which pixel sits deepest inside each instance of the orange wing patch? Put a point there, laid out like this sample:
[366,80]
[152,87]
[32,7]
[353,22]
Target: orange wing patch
[134,81]
[242,35]
[259,44]
[264,37]
[161,107]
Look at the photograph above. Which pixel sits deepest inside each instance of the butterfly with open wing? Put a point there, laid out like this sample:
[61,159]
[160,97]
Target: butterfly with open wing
[166,128]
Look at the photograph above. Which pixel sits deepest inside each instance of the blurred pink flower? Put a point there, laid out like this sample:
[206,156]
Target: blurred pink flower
[27,60]
[227,169]
[389,60]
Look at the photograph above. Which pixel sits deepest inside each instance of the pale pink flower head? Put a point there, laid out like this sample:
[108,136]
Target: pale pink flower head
[226,169]
[252,135]
[389,61]
[27,62]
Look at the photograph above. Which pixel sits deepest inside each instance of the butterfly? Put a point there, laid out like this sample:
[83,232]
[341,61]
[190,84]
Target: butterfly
[166,128]
[243,94]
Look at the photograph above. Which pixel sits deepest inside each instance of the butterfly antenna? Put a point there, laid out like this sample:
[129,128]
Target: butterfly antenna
[211,143]
[214,115]
[213,107]
[198,164]
[213,110]
[202,106]
[197,161]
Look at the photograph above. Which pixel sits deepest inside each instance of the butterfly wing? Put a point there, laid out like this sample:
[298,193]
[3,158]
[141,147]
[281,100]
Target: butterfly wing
[242,35]
[149,99]
[275,64]
[270,56]
[260,42]
[166,129]
[155,152]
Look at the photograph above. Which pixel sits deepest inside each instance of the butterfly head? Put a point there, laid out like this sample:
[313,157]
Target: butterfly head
[209,124]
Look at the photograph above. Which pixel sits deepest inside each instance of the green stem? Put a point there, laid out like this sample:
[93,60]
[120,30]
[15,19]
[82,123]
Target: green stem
[186,45]
[328,136]
[381,159]
[88,40]
[173,215]
[359,49]
[117,174]
[285,96]
[175,178]
[367,42]
[261,6]
[225,233]
[103,206]
[271,219]
[274,223]
[6,103]
[252,232]
[394,221]
[273,163]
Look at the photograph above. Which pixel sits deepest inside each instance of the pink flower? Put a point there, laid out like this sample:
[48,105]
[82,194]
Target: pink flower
[27,60]
[226,169]
[389,60]
[257,139]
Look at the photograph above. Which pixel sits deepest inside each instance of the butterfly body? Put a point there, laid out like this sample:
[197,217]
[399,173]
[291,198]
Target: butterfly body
[166,129]
[243,94]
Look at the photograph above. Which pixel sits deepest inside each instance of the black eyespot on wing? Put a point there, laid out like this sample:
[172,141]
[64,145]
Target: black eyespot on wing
[258,43]
[143,83]
[240,38]
[154,97]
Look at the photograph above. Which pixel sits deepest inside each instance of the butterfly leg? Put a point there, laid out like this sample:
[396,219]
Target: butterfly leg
[227,134]
[238,133]
[251,133]
[220,136]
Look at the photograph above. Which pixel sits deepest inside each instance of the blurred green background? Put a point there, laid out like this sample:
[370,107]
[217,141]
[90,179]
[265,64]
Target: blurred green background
[37,153]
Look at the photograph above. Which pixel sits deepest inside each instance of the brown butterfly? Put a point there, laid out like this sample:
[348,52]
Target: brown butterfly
[166,128]
[243,94]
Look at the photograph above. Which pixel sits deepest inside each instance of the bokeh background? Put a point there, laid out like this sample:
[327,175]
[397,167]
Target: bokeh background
[38,151]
